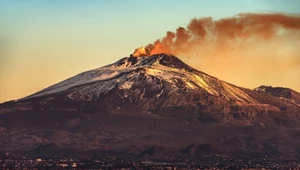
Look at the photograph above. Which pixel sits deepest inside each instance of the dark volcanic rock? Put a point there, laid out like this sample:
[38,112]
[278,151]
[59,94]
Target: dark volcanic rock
[281,92]
[153,150]
[204,149]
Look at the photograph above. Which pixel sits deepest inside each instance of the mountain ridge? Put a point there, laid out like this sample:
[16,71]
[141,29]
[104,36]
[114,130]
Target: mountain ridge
[281,92]
[153,105]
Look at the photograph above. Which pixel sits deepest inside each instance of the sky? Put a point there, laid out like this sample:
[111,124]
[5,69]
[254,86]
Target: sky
[43,42]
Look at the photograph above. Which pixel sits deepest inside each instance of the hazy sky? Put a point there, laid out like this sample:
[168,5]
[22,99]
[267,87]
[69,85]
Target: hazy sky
[45,41]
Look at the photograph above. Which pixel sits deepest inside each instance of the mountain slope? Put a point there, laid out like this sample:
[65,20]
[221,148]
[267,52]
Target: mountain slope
[155,102]
[281,92]
[159,69]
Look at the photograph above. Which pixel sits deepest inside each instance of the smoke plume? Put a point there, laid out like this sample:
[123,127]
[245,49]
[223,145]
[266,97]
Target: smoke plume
[255,45]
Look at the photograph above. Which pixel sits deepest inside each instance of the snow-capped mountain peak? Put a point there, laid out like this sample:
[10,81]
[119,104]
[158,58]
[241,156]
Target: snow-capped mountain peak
[165,72]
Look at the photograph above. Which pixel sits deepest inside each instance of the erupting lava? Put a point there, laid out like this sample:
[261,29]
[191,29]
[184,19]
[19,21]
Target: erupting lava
[142,51]
[151,49]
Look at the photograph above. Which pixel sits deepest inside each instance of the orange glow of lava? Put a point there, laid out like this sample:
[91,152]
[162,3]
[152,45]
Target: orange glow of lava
[140,52]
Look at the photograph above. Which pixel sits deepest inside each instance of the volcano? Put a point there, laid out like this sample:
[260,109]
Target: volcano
[153,105]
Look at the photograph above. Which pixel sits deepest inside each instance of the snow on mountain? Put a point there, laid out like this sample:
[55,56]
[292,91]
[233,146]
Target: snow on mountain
[128,71]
